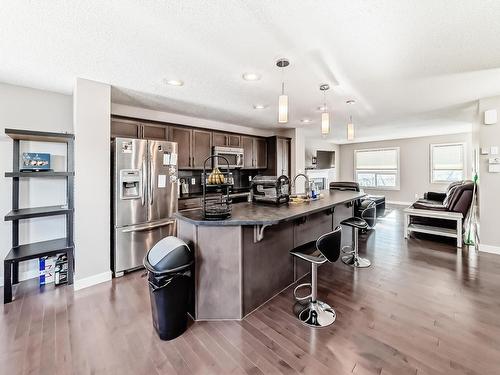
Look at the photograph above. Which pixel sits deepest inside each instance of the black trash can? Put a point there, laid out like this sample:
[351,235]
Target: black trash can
[169,265]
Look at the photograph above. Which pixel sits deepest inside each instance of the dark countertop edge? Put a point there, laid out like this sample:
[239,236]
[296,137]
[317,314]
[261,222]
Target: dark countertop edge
[236,223]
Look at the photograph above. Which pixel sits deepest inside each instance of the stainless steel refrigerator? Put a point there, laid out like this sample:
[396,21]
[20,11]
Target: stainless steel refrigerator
[144,198]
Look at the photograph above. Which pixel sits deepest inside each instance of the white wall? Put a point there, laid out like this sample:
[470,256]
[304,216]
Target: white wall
[489,183]
[414,164]
[313,145]
[30,109]
[92,111]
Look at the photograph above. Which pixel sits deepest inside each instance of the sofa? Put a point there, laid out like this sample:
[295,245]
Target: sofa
[456,198]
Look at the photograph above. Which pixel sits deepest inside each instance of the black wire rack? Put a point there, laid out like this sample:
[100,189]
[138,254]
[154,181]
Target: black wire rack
[216,200]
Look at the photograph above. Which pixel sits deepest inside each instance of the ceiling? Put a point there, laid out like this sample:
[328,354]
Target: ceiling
[413,67]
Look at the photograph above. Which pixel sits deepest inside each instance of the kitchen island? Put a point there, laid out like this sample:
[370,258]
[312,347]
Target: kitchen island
[243,261]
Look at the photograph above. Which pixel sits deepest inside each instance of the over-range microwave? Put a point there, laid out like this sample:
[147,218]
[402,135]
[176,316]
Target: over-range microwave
[234,156]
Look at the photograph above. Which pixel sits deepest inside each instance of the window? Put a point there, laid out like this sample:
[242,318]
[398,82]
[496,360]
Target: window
[377,168]
[447,162]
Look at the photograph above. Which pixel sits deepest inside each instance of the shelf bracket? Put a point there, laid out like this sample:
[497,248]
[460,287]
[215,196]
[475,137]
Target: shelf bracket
[258,232]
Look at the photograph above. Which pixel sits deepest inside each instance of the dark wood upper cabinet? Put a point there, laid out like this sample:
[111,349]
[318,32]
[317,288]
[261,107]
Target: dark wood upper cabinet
[150,131]
[194,145]
[247,144]
[223,139]
[125,128]
[202,148]
[183,138]
[255,152]
[278,157]
[219,139]
[260,153]
[233,140]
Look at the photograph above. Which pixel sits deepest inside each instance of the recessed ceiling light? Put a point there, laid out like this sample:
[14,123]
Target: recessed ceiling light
[174,82]
[321,108]
[305,120]
[259,106]
[251,76]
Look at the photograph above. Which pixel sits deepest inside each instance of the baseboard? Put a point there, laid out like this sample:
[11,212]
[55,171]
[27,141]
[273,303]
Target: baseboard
[489,249]
[399,203]
[92,280]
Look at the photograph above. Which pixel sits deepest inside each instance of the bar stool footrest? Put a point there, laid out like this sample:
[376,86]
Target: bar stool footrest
[347,249]
[297,298]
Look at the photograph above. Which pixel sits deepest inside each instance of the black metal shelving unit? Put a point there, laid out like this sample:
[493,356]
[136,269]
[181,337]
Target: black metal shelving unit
[20,253]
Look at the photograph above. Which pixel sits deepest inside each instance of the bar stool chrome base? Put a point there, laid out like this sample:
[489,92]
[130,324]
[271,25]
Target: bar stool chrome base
[317,315]
[355,261]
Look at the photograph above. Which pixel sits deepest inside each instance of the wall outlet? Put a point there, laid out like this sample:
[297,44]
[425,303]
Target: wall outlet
[249,178]
[193,181]
[416,196]
[494,150]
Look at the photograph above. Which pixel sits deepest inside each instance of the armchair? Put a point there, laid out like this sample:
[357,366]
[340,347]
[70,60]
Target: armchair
[441,213]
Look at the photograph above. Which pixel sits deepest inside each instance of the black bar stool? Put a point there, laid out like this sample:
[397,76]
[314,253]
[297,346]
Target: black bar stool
[324,249]
[366,221]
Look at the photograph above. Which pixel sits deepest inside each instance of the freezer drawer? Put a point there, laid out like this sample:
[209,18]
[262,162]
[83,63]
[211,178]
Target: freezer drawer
[133,242]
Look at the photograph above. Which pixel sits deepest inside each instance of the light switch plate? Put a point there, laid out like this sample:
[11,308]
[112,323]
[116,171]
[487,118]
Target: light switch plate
[494,150]
[490,117]
[193,181]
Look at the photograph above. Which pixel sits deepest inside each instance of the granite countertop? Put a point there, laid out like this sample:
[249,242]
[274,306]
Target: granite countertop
[261,213]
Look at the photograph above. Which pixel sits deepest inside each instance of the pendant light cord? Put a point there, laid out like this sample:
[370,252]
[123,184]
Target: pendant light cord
[282,81]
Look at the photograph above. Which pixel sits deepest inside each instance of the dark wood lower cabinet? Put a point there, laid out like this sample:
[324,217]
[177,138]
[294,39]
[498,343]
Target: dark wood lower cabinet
[261,262]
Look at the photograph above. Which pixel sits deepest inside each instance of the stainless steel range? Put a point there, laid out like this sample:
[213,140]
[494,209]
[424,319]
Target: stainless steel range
[144,198]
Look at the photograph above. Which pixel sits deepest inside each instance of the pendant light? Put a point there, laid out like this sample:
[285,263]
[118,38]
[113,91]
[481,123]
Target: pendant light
[283,99]
[325,116]
[350,124]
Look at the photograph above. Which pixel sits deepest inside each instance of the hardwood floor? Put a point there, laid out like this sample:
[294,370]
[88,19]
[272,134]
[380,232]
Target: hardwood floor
[422,308]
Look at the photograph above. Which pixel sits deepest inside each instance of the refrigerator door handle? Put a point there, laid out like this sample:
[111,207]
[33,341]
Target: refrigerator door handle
[141,228]
[151,180]
[144,184]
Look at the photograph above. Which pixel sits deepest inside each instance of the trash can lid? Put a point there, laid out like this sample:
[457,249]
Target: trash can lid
[170,254]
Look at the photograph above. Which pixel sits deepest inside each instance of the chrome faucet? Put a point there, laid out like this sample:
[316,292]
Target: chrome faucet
[306,183]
